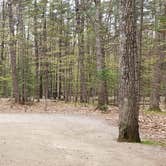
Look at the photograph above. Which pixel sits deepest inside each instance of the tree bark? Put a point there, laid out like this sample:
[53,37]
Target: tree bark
[37,68]
[140,49]
[100,55]
[155,87]
[81,54]
[21,52]
[157,70]
[12,45]
[129,107]
[45,56]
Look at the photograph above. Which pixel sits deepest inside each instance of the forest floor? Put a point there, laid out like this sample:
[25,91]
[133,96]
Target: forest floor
[69,135]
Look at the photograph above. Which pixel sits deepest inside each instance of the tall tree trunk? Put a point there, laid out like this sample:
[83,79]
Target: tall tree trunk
[21,52]
[12,45]
[140,48]
[2,54]
[129,107]
[164,37]
[37,69]
[159,57]
[100,55]
[45,56]
[3,31]
[61,44]
[81,54]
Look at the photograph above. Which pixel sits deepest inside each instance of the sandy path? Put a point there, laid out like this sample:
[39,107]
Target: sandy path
[69,140]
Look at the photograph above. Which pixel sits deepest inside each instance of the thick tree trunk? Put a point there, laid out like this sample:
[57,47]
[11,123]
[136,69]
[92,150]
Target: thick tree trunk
[129,107]
[164,37]
[13,51]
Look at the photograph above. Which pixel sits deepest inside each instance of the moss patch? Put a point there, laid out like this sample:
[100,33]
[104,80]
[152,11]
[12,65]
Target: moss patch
[150,142]
[154,112]
[103,108]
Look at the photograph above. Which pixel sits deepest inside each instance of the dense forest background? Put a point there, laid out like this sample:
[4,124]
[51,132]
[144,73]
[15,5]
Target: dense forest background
[69,50]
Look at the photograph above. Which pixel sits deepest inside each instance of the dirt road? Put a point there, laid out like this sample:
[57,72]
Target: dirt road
[69,140]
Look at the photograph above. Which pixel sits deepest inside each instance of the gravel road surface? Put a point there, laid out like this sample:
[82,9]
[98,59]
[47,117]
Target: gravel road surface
[69,140]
